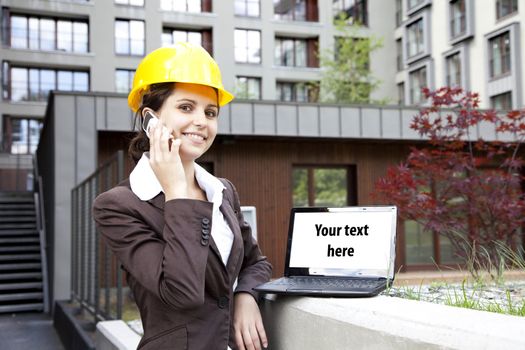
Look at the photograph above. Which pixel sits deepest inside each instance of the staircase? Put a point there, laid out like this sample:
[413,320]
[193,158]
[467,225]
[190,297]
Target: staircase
[22,286]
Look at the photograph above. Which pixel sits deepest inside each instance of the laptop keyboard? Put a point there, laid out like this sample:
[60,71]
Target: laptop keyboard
[327,283]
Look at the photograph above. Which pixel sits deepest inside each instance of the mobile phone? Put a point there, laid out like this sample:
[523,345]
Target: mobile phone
[149,121]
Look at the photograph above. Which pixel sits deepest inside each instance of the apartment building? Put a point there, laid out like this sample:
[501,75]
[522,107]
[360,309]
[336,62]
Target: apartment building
[471,44]
[266,50]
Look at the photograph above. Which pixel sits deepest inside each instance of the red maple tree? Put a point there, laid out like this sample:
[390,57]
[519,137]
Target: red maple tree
[465,188]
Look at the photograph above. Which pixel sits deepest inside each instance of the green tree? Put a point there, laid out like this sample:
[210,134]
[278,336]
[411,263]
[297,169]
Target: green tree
[346,69]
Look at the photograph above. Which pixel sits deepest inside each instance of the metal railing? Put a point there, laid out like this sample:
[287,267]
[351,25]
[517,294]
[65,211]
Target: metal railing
[96,279]
[38,193]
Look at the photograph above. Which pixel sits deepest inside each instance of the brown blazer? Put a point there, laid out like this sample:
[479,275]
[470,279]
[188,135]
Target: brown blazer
[183,290]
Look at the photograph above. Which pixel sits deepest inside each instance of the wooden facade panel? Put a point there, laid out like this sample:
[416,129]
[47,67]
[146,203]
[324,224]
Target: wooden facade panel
[261,170]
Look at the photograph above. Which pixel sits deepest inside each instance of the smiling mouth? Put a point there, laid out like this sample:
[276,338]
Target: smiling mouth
[195,137]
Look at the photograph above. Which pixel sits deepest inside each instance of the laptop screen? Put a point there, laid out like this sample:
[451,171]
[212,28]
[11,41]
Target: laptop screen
[350,241]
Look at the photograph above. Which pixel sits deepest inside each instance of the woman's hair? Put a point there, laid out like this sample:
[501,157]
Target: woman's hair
[154,98]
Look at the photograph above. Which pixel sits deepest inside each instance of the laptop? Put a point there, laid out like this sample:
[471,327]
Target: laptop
[338,252]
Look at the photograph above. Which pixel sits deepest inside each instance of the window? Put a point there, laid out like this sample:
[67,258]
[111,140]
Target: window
[48,34]
[124,80]
[401,94]
[199,37]
[453,67]
[458,18]
[505,8]
[418,80]
[354,10]
[248,8]
[416,39]
[499,47]
[290,10]
[129,37]
[130,2]
[323,186]
[290,52]
[399,55]
[21,135]
[34,84]
[186,5]
[414,3]
[248,88]
[296,92]
[247,46]
[399,12]
[502,102]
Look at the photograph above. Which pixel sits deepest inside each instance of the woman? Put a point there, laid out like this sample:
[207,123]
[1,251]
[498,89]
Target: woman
[178,230]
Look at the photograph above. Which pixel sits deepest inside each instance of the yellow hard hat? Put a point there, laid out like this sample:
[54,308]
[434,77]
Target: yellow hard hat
[184,63]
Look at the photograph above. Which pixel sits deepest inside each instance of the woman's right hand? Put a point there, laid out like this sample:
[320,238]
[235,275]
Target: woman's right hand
[165,161]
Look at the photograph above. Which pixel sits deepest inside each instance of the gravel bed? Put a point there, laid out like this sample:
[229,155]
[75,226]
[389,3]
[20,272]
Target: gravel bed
[454,293]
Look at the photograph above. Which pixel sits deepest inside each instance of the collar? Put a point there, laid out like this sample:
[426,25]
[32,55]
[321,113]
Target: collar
[145,185]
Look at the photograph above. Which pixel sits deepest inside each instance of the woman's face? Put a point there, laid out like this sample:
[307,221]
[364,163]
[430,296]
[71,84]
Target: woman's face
[191,111]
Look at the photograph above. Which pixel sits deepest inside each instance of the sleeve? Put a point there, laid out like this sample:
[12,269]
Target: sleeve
[172,267]
[255,269]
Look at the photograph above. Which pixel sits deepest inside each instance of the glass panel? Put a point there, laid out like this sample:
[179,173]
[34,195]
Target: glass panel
[178,5]
[19,84]
[448,254]
[300,10]
[34,33]
[240,41]
[47,34]
[121,80]
[137,37]
[35,126]
[195,38]
[300,187]
[419,246]
[254,46]
[65,80]
[194,5]
[80,81]
[301,94]
[166,39]
[330,187]
[277,52]
[288,53]
[47,82]
[254,88]
[300,53]
[136,2]
[240,7]
[253,9]
[122,37]
[80,37]
[19,136]
[34,84]
[18,32]
[454,71]
[65,36]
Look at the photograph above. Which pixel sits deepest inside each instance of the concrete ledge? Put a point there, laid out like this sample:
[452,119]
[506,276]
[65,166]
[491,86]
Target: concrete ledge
[113,335]
[385,323]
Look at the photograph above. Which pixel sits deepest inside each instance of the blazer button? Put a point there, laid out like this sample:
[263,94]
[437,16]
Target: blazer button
[204,242]
[205,231]
[205,221]
[205,226]
[222,302]
[205,237]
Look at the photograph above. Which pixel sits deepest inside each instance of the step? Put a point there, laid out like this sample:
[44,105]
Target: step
[20,275]
[18,286]
[21,266]
[28,199]
[16,219]
[19,232]
[17,206]
[21,307]
[17,240]
[19,257]
[21,296]
[21,212]
[15,226]
[20,248]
